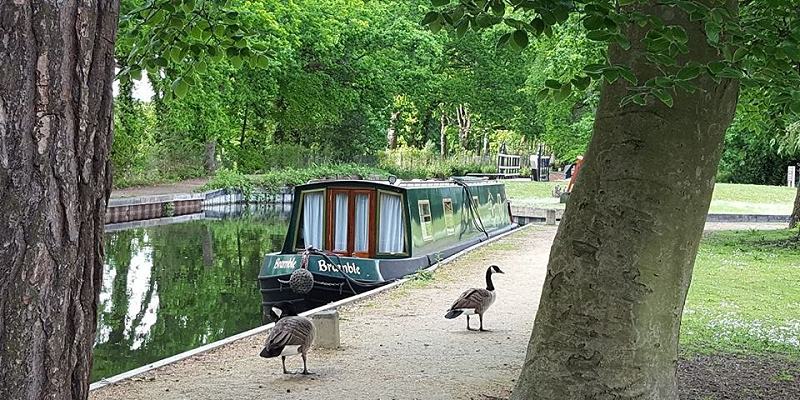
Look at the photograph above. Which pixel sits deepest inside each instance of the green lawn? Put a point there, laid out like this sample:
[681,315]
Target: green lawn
[728,198]
[745,295]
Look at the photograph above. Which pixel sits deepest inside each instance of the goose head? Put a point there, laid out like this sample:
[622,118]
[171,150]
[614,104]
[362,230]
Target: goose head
[495,269]
[282,309]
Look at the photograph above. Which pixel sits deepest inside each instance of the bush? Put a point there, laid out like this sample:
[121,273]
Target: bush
[273,181]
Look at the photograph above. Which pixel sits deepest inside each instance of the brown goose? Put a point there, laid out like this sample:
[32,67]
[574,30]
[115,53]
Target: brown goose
[291,335]
[475,301]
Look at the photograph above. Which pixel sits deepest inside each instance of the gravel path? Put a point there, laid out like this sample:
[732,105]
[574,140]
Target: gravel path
[730,226]
[395,346]
[188,186]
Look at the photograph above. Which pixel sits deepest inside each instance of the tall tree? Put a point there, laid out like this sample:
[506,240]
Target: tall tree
[620,267]
[56,70]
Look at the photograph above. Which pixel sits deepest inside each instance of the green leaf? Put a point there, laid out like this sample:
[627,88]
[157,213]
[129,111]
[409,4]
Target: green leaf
[520,38]
[712,32]
[503,41]
[201,67]
[552,84]
[599,36]
[430,17]
[611,74]
[716,67]
[664,96]
[542,94]
[439,3]
[689,72]
[628,75]
[136,73]
[180,87]
[581,83]
[563,93]
[236,61]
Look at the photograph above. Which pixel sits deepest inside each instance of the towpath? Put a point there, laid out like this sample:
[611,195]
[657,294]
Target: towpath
[396,345]
[182,187]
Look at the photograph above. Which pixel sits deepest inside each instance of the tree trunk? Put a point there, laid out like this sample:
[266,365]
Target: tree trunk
[211,156]
[443,121]
[464,124]
[795,219]
[391,134]
[620,267]
[56,71]
[485,151]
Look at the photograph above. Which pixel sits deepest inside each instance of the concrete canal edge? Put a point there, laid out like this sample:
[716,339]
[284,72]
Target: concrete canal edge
[350,300]
[525,215]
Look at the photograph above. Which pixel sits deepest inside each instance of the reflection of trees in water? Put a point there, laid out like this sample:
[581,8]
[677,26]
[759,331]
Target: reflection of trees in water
[204,277]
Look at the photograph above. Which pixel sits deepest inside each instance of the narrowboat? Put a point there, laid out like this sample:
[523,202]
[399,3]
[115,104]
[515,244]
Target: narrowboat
[349,236]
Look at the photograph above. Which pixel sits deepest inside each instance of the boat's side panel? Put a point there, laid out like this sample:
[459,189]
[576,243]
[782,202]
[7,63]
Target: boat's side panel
[490,205]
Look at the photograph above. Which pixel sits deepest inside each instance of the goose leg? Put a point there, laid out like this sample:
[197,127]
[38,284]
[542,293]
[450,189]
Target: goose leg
[468,328]
[305,369]
[283,361]
[480,316]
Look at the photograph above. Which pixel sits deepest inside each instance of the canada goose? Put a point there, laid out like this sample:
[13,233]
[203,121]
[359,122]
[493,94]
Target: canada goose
[475,301]
[291,335]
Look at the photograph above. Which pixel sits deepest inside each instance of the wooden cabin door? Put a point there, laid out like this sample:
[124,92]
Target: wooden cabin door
[351,222]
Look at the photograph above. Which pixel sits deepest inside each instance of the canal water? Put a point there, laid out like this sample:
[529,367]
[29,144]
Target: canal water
[171,288]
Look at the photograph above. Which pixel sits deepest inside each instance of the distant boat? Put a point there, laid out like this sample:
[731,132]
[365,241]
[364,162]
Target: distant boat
[356,235]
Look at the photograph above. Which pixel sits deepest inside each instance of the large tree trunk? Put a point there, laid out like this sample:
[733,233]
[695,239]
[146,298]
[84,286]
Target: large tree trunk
[464,124]
[620,267]
[391,133]
[210,158]
[795,219]
[443,121]
[56,70]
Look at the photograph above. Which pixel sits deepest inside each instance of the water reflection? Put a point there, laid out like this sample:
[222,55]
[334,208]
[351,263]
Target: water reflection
[170,288]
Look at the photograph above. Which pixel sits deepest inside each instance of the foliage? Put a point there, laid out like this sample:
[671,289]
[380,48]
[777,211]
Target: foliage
[288,177]
[745,295]
[760,45]
[412,163]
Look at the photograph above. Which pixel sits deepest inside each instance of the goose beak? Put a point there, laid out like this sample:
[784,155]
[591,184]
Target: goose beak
[264,353]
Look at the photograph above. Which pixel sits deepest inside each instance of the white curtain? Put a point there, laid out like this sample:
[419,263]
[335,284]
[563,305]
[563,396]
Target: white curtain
[362,227]
[340,222]
[391,229]
[312,219]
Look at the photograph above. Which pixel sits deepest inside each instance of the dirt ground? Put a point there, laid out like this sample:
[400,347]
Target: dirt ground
[188,186]
[398,346]
[724,377]
[395,346]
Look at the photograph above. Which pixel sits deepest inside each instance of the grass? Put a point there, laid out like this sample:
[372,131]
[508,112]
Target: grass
[745,295]
[728,198]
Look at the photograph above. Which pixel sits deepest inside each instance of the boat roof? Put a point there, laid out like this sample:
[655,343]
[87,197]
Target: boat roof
[398,184]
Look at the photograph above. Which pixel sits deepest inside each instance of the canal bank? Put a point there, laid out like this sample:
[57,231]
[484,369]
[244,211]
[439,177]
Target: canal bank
[394,345]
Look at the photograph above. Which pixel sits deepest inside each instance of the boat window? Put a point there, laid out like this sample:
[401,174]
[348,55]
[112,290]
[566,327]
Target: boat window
[426,222]
[340,222]
[311,223]
[391,229]
[447,204]
[362,225]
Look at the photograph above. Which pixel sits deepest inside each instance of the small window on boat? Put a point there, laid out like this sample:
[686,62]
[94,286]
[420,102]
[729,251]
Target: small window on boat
[425,220]
[310,224]
[391,229]
[340,221]
[362,223]
[447,205]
